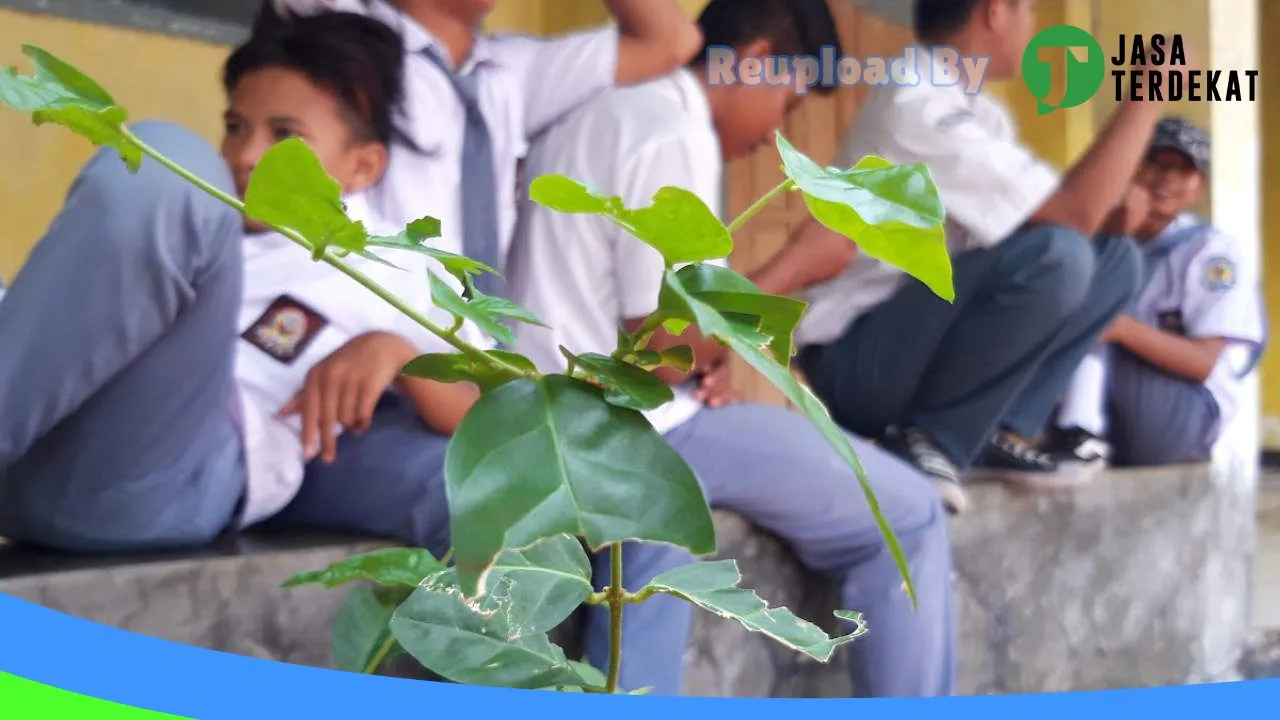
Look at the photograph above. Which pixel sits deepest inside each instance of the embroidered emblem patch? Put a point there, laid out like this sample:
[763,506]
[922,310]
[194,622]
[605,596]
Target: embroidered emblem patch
[285,330]
[1219,274]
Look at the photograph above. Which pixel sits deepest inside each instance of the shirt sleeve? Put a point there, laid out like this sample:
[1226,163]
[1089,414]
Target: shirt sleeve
[1221,298]
[561,73]
[990,183]
[638,267]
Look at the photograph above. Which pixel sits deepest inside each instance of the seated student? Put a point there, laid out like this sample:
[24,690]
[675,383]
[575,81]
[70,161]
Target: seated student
[586,278]
[474,100]
[1171,379]
[947,385]
[169,369]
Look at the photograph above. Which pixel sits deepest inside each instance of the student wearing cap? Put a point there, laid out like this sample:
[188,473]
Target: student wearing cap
[951,385]
[1168,377]
[473,100]
[585,278]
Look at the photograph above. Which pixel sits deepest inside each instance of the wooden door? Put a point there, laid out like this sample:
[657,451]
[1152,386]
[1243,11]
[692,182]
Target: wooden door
[815,128]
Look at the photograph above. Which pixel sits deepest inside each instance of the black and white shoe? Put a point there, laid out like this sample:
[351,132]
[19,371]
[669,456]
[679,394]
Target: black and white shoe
[1012,459]
[1077,445]
[916,447]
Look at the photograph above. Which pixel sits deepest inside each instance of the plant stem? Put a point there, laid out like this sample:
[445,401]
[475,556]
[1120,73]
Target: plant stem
[616,595]
[760,204]
[450,337]
[448,555]
[381,655]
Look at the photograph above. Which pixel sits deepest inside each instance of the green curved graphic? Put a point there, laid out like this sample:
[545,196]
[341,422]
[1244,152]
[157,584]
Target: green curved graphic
[1079,63]
[22,699]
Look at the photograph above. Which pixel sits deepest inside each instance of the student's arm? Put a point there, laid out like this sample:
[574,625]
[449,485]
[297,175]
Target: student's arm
[440,405]
[813,255]
[655,37]
[1188,358]
[650,39]
[1220,307]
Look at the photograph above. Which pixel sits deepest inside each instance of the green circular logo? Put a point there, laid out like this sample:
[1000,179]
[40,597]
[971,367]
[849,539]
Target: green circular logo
[1063,67]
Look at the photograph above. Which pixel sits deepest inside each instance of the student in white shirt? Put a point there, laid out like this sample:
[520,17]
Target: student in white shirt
[585,278]
[950,385]
[474,100]
[1169,375]
[169,369]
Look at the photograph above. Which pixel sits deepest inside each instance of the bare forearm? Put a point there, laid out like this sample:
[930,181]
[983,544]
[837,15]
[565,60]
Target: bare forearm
[813,255]
[656,37]
[1092,188]
[1182,357]
[441,406]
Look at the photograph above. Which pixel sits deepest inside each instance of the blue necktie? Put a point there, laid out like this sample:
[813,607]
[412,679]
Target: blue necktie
[480,232]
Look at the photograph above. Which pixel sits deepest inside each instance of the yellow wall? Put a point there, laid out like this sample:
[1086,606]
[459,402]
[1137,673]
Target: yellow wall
[1269,25]
[151,75]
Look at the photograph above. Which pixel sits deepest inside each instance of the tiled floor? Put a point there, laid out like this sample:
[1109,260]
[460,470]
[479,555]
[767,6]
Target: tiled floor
[1266,572]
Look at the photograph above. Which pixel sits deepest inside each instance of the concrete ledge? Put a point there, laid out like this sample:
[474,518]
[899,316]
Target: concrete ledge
[1141,579]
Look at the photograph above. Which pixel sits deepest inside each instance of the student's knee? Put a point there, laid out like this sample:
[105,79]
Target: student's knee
[186,148]
[1064,267]
[109,180]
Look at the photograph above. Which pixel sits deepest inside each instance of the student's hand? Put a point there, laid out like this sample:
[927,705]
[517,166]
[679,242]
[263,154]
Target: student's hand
[715,390]
[344,388]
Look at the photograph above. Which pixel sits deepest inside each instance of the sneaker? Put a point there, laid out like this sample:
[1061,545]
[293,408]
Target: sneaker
[1012,459]
[1077,445]
[916,447]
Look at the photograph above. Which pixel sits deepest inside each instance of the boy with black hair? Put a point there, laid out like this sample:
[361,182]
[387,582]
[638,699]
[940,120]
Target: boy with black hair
[1168,377]
[947,385]
[584,278]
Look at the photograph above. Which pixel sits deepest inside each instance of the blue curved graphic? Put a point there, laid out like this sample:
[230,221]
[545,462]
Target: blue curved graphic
[139,671]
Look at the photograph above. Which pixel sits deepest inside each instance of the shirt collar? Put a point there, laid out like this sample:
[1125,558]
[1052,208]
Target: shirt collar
[418,39]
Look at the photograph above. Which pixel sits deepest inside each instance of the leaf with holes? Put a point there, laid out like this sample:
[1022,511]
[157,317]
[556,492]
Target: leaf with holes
[387,566]
[713,586]
[501,639]
[58,93]
[676,223]
[548,456]
[775,316]
[893,212]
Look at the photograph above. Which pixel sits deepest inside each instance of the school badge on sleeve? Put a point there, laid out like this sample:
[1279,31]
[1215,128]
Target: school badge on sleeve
[285,330]
[1219,274]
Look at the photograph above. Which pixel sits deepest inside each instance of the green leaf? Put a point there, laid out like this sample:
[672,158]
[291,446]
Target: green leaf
[289,188]
[360,629]
[625,384]
[549,456]
[459,368]
[776,317]
[713,586]
[677,223]
[486,311]
[501,639]
[893,212]
[678,358]
[749,343]
[414,239]
[386,566]
[58,93]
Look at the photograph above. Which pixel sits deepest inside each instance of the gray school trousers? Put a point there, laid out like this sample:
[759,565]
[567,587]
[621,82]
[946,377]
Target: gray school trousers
[1155,418]
[117,434]
[1026,313]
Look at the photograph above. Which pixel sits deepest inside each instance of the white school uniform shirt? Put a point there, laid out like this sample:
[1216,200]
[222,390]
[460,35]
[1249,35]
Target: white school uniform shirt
[582,275]
[1198,287]
[989,183]
[526,84]
[296,312]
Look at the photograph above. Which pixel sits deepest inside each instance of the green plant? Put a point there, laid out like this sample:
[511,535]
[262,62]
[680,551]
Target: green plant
[534,476]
